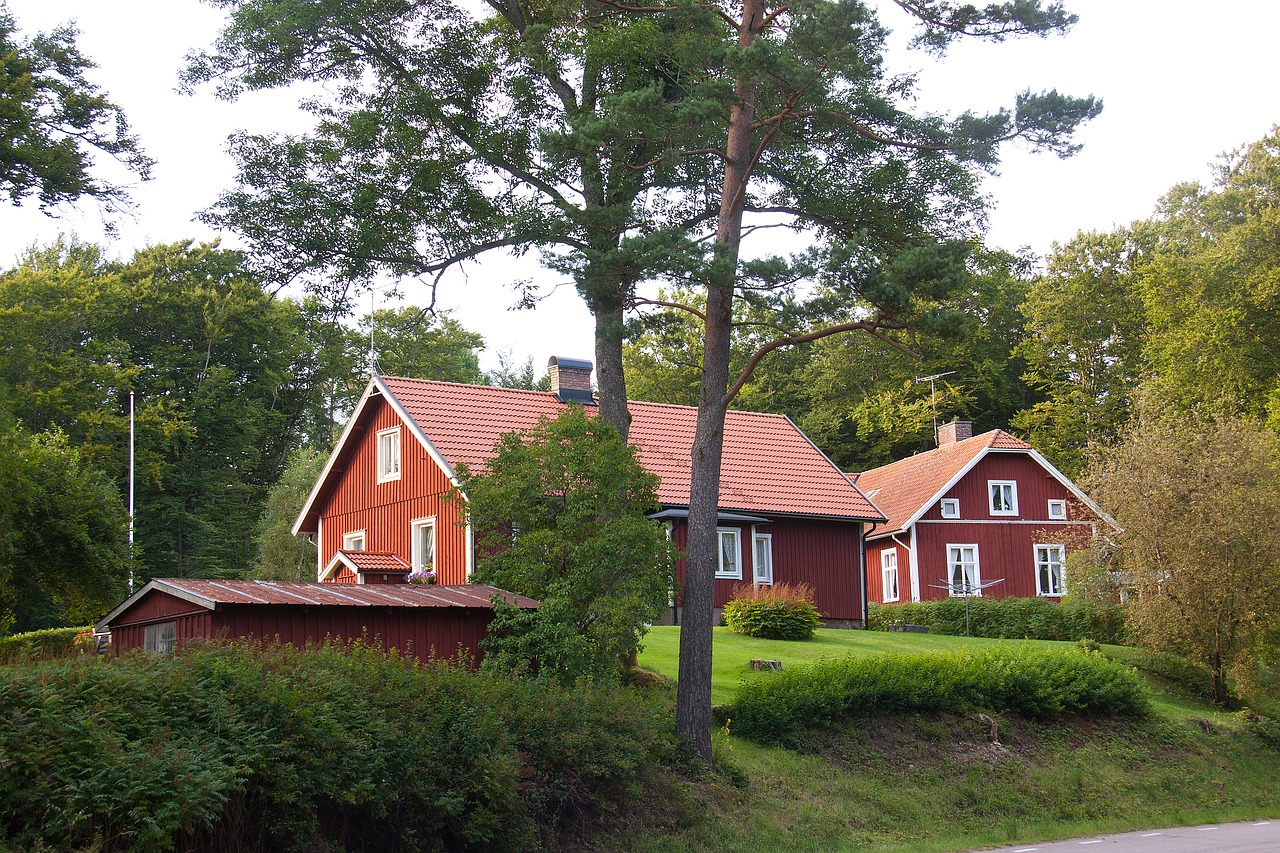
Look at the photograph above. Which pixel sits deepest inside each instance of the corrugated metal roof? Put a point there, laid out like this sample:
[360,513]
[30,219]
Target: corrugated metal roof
[216,593]
[769,466]
[903,488]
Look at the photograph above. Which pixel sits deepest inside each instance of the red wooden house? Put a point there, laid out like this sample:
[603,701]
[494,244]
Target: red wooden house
[982,515]
[425,621]
[787,513]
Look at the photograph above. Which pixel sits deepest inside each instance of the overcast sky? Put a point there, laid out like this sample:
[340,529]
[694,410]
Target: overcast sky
[1181,82]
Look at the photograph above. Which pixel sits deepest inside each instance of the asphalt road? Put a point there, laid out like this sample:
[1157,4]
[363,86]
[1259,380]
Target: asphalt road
[1259,836]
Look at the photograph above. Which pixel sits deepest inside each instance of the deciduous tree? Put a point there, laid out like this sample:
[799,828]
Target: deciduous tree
[53,121]
[1196,500]
[559,515]
[63,548]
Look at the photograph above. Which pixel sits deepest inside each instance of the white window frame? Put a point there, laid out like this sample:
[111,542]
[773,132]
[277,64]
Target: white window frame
[888,564]
[736,572]
[976,582]
[757,577]
[952,504]
[388,454]
[1044,559]
[416,555]
[350,538]
[160,637]
[1057,510]
[1012,485]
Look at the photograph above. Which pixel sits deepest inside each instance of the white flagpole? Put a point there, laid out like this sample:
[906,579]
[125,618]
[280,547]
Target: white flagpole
[130,491]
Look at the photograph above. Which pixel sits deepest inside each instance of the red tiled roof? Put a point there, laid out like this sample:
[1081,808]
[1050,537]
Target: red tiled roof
[214,593]
[376,561]
[768,464]
[903,488]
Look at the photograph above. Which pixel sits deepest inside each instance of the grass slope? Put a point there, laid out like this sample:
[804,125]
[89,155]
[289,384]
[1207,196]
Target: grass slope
[933,783]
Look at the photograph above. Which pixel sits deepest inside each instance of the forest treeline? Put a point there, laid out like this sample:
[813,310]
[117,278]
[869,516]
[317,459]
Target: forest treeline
[238,390]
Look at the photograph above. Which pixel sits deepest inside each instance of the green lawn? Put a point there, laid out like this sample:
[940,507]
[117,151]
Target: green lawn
[731,662]
[930,783]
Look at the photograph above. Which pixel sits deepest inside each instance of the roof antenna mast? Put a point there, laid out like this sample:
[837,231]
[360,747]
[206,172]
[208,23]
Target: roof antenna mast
[373,355]
[933,397]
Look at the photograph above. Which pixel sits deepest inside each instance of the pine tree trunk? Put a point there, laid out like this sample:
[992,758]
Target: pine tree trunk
[693,690]
[611,382]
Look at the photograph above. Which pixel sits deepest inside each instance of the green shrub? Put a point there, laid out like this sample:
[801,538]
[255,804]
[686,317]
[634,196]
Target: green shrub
[778,612]
[331,748]
[1008,618]
[49,643]
[1035,683]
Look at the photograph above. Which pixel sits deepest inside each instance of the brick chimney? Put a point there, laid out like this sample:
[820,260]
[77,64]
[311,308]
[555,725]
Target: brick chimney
[571,380]
[949,434]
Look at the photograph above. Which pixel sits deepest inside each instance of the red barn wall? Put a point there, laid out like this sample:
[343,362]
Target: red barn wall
[385,510]
[822,554]
[424,632]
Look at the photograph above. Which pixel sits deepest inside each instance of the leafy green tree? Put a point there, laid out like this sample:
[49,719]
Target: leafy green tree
[455,129]
[210,357]
[281,555]
[63,534]
[1210,592]
[1083,347]
[411,341]
[53,121]
[1209,291]
[559,515]
[508,375]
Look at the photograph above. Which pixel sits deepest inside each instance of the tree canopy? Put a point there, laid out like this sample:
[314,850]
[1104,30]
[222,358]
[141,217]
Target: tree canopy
[1208,591]
[560,516]
[53,122]
[63,544]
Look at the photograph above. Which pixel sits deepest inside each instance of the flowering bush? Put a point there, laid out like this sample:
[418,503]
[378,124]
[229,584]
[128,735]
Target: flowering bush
[426,574]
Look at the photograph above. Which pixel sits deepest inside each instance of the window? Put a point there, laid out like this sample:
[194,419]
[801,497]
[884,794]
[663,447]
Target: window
[1058,510]
[160,637]
[889,570]
[1004,497]
[730,554]
[1050,579]
[950,507]
[353,541]
[962,570]
[763,553]
[424,545]
[389,454]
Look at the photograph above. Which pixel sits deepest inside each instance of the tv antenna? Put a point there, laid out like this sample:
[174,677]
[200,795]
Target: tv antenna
[933,397]
[968,590]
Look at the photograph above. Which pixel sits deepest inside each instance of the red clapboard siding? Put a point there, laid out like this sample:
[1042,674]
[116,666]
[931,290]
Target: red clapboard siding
[875,569]
[385,511]
[822,554]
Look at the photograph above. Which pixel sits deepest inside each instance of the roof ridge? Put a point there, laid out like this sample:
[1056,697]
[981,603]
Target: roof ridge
[505,389]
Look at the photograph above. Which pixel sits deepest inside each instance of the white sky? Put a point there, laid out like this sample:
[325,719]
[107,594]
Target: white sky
[1182,83]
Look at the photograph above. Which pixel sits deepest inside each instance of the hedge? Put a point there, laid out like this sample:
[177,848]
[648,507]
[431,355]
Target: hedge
[319,749]
[1008,618]
[49,643]
[1032,682]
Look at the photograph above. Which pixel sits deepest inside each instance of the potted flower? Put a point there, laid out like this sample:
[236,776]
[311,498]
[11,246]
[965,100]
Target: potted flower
[426,575]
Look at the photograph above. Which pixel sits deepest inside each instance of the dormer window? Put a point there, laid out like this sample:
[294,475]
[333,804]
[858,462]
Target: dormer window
[950,508]
[1058,510]
[389,454]
[1003,495]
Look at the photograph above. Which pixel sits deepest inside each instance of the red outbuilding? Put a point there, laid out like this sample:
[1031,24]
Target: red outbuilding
[787,513]
[426,621]
[982,515]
